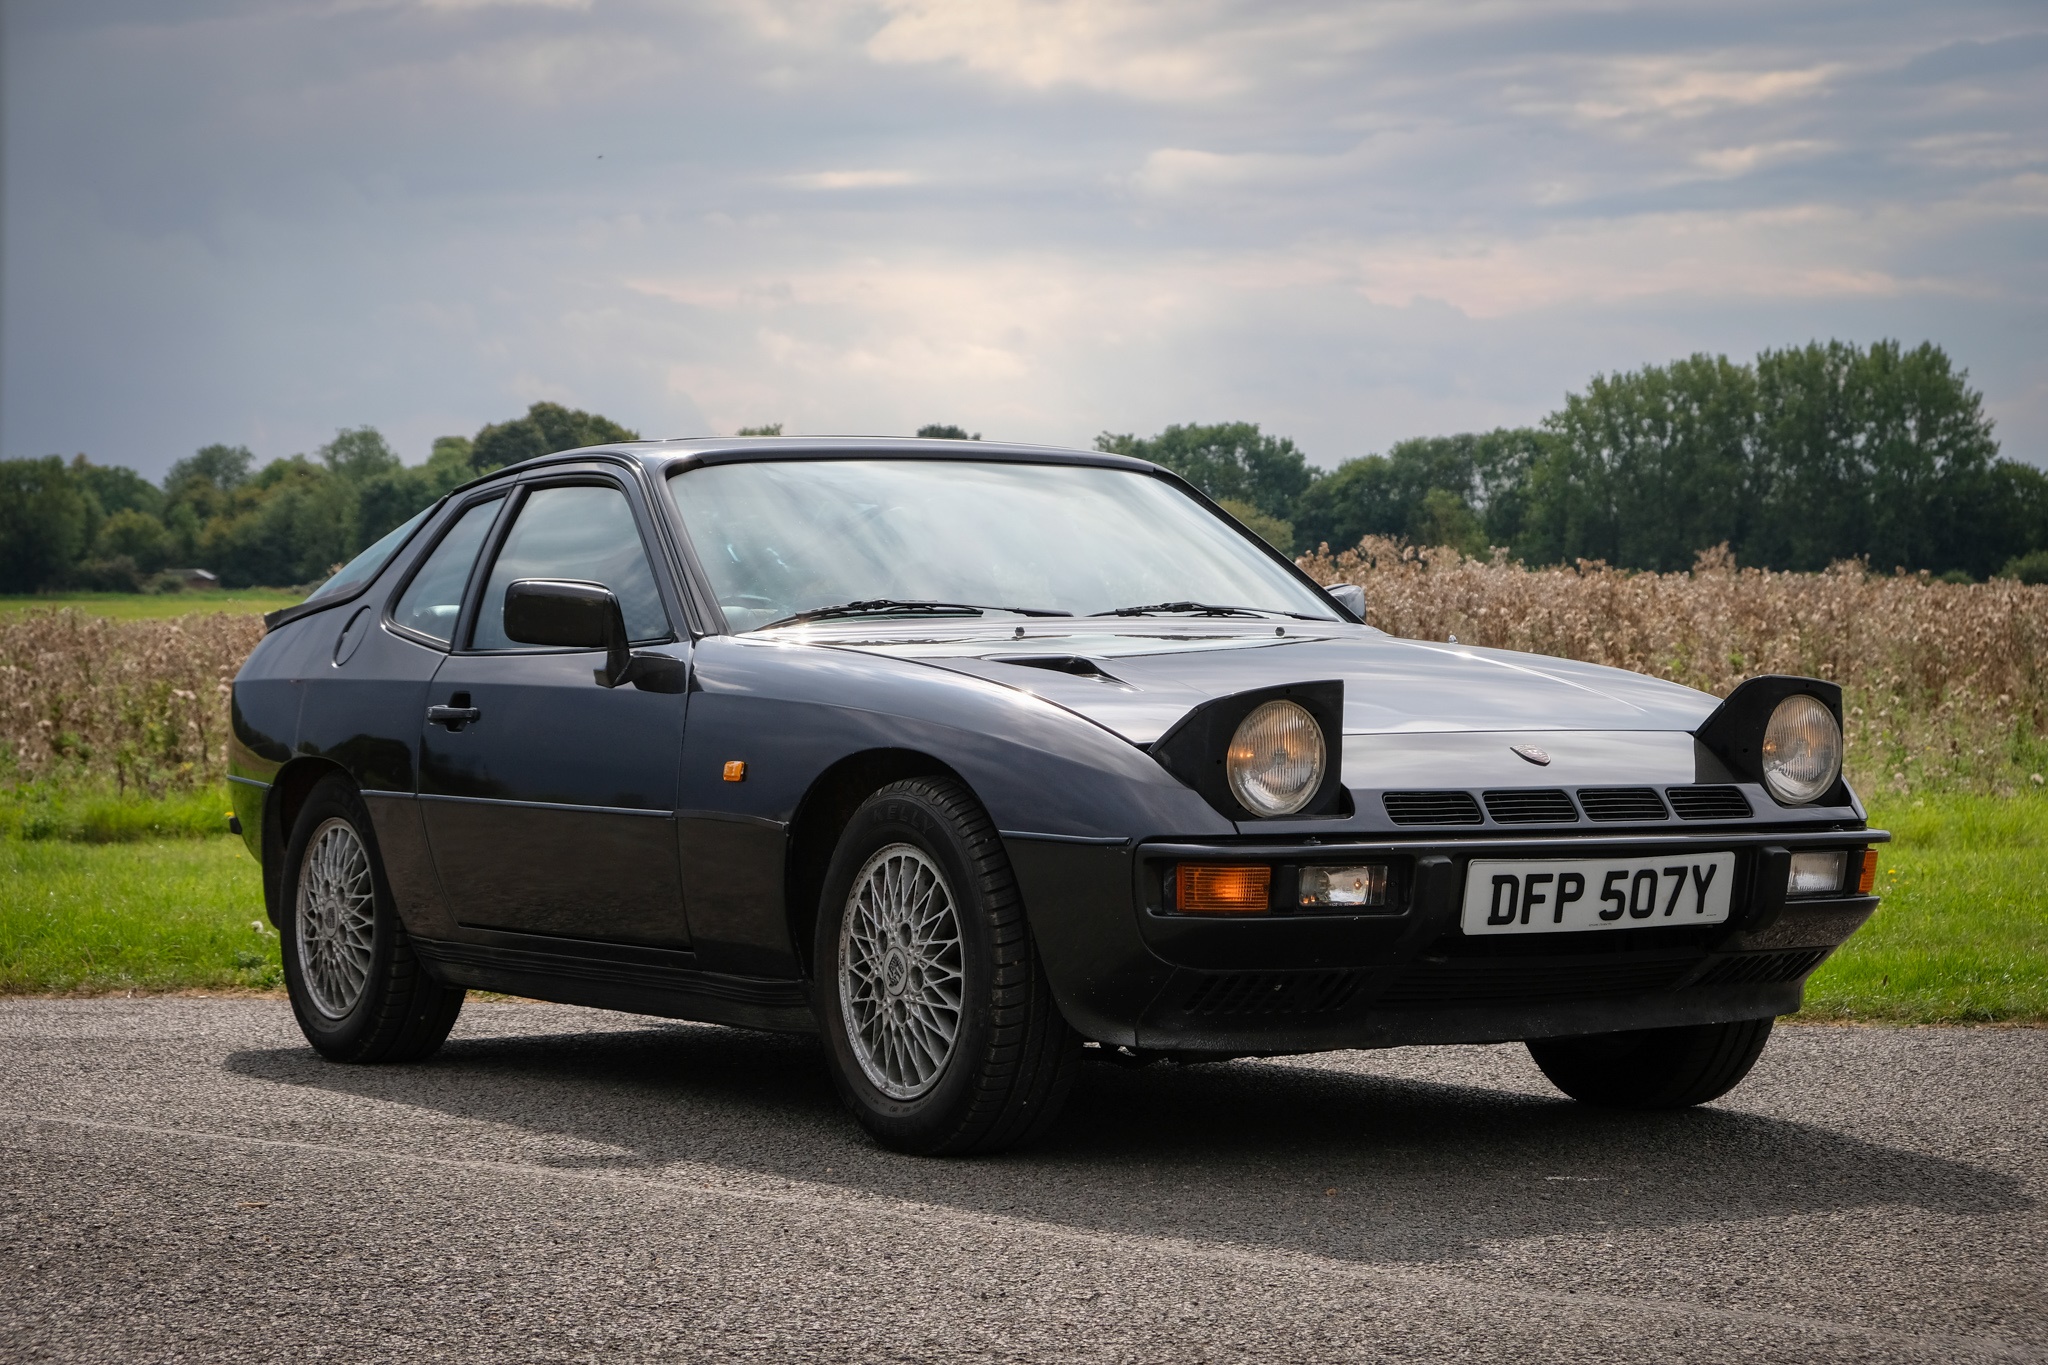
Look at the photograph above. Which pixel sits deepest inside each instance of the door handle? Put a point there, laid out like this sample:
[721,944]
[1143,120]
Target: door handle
[454,717]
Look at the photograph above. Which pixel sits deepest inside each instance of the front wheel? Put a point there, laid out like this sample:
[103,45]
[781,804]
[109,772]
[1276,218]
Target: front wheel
[942,1032]
[1659,1068]
[355,985]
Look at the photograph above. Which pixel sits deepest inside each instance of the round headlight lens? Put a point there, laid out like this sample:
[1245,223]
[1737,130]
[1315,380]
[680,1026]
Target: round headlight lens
[1802,750]
[1276,759]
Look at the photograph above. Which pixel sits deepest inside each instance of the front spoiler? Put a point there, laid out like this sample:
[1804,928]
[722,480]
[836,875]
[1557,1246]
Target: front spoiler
[1126,975]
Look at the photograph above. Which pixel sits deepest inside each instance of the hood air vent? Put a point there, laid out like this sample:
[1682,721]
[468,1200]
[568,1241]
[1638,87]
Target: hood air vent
[1622,803]
[1542,806]
[1432,808]
[1709,803]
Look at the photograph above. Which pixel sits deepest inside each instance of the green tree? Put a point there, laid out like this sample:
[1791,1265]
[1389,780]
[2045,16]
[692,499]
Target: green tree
[545,429]
[116,488]
[945,431]
[1650,467]
[204,482]
[765,429]
[359,454]
[1471,487]
[43,521]
[288,525]
[1227,460]
[137,537]
[1884,452]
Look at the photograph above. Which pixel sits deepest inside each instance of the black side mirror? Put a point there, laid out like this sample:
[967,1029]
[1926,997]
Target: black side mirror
[570,614]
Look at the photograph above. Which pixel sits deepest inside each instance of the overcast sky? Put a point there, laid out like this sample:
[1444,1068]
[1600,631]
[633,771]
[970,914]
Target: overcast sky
[1352,223]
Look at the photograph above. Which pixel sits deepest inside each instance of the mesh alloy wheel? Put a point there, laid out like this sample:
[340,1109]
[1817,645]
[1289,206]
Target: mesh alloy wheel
[336,920]
[900,980]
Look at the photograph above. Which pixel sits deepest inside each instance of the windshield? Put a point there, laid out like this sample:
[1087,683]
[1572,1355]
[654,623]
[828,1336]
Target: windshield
[783,537]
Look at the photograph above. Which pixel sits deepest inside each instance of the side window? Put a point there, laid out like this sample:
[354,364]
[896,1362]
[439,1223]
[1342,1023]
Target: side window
[432,601]
[583,532]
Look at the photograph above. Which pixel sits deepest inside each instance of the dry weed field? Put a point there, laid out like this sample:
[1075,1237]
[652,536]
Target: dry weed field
[1945,684]
[135,707]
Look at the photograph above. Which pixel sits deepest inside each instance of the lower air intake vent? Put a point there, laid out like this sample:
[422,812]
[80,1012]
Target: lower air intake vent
[1432,808]
[1273,993]
[1762,969]
[1456,981]
[1621,803]
[1537,807]
[1709,803]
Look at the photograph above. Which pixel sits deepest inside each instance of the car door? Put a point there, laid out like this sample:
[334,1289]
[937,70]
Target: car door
[549,798]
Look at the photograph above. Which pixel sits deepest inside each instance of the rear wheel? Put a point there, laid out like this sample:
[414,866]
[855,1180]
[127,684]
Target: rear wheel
[942,1032]
[355,986]
[1663,1068]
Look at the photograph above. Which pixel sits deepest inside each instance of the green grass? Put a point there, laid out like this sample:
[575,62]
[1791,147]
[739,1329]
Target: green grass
[175,915]
[1962,936]
[48,811]
[141,606]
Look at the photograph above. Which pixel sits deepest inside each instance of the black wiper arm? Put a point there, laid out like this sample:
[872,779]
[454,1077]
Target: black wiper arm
[883,605]
[1190,608]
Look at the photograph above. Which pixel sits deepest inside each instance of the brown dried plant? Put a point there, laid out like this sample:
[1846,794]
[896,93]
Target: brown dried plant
[138,706]
[1943,683]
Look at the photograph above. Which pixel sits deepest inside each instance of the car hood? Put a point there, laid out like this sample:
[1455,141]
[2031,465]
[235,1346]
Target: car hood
[1139,680]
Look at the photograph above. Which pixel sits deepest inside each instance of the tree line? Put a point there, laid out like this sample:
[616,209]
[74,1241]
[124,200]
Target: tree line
[76,524]
[1797,459]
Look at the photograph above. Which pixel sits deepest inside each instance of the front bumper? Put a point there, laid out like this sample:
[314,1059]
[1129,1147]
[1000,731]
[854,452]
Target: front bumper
[1127,973]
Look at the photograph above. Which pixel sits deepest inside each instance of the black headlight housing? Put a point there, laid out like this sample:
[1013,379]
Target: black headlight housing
[1735,732]
[1196,749]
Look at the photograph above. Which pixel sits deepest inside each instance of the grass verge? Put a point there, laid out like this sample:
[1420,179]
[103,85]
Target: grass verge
[171,915]
[45,810]
[1962,936]
[153,606]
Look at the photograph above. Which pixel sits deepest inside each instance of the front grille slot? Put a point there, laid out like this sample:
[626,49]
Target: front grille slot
[1762,969]
[1709,803]
[1478,981]
[1539,806]
[1432,808]
[1272,993]
[1622,803]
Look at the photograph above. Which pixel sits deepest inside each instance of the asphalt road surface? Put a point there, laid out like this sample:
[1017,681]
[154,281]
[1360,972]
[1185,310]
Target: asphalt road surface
[184,1180]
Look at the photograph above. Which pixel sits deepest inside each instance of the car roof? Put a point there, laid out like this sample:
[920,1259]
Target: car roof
[685,452]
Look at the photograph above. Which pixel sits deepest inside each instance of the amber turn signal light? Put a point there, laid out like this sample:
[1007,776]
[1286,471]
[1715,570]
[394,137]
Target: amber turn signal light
[1217,889]
[736,771]
[1868,877]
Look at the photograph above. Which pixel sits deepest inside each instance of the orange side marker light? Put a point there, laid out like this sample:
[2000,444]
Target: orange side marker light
[736,771]
[1218,889]
[1868,878]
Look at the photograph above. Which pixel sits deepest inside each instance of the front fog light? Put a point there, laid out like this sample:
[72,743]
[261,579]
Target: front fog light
[1217,889]
[1802,750]
[1816,874]
[1276,759]
[1338,887]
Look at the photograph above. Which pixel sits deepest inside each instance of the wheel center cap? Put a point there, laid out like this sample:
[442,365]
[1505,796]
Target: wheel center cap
[895,971]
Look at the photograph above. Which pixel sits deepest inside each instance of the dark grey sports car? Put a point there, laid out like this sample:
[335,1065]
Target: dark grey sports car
[969,757]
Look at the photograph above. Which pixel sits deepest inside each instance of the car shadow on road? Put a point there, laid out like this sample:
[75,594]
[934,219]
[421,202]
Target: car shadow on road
[1322,1159]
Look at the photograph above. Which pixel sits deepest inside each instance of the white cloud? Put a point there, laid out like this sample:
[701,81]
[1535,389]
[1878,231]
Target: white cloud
[852,180]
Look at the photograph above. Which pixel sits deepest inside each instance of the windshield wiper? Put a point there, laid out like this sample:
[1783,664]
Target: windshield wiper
[876,606]
[1200,609]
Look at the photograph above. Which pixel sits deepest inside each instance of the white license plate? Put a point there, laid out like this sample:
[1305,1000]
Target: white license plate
[1566,895]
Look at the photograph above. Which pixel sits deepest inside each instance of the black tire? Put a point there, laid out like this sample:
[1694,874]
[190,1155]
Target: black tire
[397,1013]
[1012,1057]
[1661,1068]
